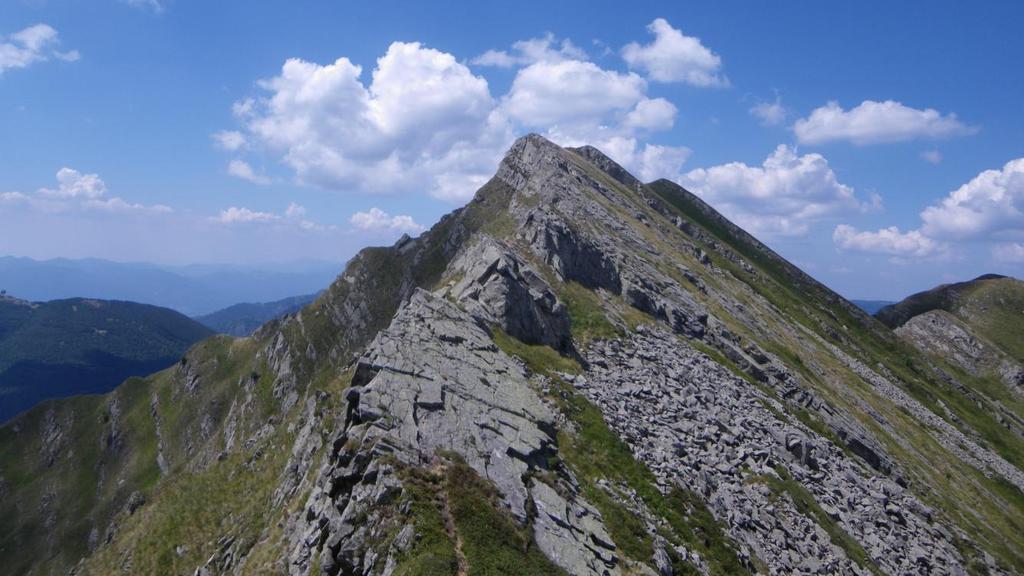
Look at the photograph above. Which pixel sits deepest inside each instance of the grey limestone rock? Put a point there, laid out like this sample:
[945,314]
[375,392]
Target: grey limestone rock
[434,382]
[500,289]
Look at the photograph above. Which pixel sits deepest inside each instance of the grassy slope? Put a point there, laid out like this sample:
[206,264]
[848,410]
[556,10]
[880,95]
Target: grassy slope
[995,310]
[192,510]
[87,482]
[991,305]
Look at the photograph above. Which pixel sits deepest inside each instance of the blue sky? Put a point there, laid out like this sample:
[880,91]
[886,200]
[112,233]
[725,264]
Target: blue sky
[871,143]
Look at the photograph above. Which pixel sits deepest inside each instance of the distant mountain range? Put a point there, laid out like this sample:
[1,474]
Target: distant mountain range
[872,306]
[244,319]
[192,290]
[82,346]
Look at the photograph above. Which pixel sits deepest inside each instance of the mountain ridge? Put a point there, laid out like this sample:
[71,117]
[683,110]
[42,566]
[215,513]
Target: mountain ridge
[83,346]
[245,318]
[192,289]
[942,297]
[669,377]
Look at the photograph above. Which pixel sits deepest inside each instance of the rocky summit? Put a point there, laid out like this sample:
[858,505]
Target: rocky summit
[576,373]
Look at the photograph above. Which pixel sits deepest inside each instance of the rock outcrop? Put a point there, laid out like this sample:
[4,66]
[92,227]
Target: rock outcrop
[940,333]
[498,288]
[433,382]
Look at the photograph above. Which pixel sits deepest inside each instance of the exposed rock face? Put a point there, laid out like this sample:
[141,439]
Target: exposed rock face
[693,422]
[441,384]
[585,240]
[499,288]
[939,332]
[433,382]
[574,222]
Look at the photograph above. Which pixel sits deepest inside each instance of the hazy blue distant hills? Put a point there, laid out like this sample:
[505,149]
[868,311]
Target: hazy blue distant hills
[80,346]
[872,306]
[244,319]
[192,290]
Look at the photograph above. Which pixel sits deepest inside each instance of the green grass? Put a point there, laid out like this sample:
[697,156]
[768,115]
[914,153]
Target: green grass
[994,308]
[194,510]
[587,314]
[538,358]
[493,543]
[434,550]
[454,512]
[87,484]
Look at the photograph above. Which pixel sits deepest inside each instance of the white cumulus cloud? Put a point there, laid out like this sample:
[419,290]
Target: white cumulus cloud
[577,103]
[73,184]
[36,43]
[421,121]
[652,114]
[524,52]
[992,203]
[242,169]
[421,116]
[377,220]
[989,209]
[874,122]
[675,57]
[293,218]
[552,93]
[782,197]
[230,140]
[77,191]
[769,113]
[885,241]
[237,215]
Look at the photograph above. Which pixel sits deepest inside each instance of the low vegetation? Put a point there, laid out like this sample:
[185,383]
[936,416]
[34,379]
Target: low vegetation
[462,527]
[538,358]
[587,314]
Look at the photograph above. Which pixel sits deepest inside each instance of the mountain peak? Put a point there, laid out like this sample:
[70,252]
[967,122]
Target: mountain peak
[524,158]
[607,165]
[531,151]
[990,276]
